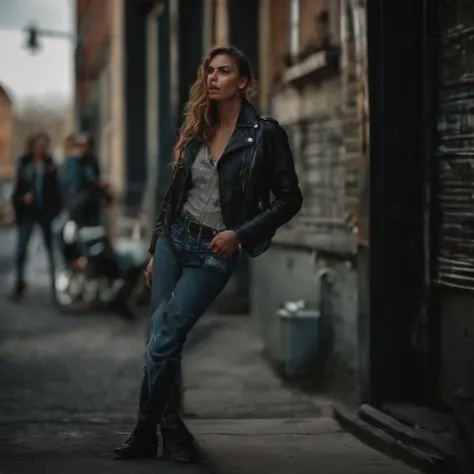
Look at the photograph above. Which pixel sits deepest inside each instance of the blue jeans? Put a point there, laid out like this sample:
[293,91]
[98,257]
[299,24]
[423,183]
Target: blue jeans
[187,278]
[25,230]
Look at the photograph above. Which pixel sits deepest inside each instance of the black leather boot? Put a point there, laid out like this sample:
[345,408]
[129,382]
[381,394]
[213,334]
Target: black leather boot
[142,443]
[178,442]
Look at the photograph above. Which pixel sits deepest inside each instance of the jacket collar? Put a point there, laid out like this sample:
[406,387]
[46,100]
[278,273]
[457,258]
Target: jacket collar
[248,116]
[244,134]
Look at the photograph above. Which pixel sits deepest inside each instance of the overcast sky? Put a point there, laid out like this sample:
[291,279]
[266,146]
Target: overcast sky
[49,72]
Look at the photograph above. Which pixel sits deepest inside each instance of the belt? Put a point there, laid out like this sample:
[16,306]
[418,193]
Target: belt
[198,230]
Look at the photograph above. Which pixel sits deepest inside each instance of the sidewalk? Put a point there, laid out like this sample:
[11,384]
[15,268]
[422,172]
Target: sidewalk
[70,386]
[248,422]
[282,446]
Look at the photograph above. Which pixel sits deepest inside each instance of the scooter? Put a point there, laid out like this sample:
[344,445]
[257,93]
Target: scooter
[97,274]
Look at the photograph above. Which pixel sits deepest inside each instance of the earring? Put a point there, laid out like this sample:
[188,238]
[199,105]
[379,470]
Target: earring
[238,92]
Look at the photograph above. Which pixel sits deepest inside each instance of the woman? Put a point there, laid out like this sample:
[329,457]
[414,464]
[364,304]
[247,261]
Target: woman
[227,160]
[36,200]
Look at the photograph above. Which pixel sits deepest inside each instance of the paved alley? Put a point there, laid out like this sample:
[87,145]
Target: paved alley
[68,392]
[70,385]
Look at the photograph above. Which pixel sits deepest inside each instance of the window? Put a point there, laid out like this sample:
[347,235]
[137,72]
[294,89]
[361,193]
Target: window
[294,27]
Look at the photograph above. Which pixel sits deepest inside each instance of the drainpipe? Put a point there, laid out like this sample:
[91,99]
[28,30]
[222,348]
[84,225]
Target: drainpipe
[326,277]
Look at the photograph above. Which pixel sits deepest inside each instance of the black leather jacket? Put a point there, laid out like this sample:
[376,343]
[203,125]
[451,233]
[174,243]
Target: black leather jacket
[25,174]
[256,163]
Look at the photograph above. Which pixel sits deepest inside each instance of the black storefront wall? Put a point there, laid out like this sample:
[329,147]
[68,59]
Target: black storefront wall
[399,330]
[454,265]
[453,217]
[397,199]
[453,262]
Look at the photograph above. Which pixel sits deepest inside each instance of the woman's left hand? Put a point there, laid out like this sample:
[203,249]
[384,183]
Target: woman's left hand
[224,244]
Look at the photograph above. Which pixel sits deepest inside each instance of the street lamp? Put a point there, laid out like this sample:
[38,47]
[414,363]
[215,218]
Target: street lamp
[33,33]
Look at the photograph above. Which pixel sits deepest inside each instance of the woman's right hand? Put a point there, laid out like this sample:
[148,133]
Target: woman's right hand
[149,273]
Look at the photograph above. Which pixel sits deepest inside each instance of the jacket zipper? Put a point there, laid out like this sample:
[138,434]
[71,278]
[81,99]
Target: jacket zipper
[183,184]
[233,151]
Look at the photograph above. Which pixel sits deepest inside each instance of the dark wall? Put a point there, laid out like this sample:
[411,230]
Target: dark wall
[453,201]
[191,19]
[135,105]
[395,270]
[243,28]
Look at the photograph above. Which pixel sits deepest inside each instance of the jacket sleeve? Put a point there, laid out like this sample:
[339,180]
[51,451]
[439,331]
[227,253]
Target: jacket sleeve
[283,184]
[160,221]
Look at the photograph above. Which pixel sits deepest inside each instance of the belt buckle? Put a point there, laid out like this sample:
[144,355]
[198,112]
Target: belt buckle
[199,226]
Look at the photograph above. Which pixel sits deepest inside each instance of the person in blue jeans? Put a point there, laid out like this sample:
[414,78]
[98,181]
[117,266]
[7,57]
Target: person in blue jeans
[36,201]
[228,161]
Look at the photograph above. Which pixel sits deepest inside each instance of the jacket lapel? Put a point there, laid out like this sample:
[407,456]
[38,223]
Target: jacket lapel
[245,131]
[190,152]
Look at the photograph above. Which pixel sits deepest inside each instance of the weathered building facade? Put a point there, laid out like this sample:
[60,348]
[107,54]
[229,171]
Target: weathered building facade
[309,82]
[415,275]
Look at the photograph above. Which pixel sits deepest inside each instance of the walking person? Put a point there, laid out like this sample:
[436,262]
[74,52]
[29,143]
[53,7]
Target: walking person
[36,200]
[227,161]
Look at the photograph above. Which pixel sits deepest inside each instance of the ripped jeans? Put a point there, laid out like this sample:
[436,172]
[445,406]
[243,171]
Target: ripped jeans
[187,278]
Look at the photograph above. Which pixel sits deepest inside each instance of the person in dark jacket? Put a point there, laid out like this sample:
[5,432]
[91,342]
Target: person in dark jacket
[82,188]
[36,201]
[228,161]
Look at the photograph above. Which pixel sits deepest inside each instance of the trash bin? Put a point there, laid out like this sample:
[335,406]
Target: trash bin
[300,328]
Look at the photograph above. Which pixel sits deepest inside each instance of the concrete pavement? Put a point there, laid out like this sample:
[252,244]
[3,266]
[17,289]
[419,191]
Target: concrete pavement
[36,270]
[225,376]
[284,446]
[69,387]
[250,422]
[68,392]
[70,384]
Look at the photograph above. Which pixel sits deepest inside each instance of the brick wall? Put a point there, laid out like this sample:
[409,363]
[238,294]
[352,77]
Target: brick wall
[93,28]
[312,256]
[321,121]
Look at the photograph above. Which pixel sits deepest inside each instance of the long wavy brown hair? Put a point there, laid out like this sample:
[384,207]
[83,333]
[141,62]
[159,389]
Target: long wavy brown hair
[200,114]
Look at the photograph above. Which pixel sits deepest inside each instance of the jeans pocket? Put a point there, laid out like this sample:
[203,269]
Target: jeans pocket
[217,264]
